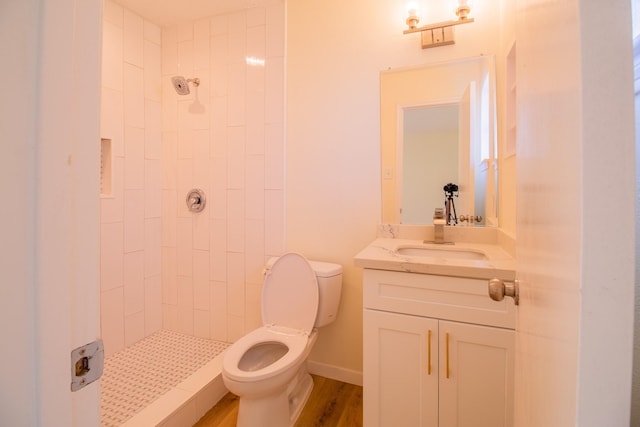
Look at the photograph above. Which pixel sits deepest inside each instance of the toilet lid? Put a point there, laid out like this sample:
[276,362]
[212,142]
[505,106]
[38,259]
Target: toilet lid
[290,294]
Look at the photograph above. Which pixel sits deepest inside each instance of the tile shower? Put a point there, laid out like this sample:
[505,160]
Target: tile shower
[164,268]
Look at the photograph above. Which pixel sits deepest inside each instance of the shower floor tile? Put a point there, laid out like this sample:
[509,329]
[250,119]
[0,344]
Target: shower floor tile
[139,374]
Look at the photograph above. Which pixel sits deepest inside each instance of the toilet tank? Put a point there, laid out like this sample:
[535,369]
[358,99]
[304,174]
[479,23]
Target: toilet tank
[329,277]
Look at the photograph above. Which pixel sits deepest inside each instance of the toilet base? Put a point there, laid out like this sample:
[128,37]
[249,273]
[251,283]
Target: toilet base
[278,410]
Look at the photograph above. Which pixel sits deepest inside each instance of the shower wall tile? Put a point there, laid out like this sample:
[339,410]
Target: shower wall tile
[152,71]
[133,328]
[184,247]
[169,217]
[274,90]
[152,304]
[253,306]
[133,220]
[185,184]
[169,151]
[184,32]
[185,135]
[275,29]
[133,38]
[255,17]
[152,247]
[152,33]
[274,217]
[256,42]
[112,207]
[201,41]
[133,86]
[111,255]
[219,68]
[235,221]
[169,50]
[185,58]
[255,127]
[236,90]
[201,234]
[237,34]
[218,316]
[236,158]
[255,254]
[169,276]
[235,327]
[219,25]
[218,252]
[112,320]
[254,194]
[153,192]
[201,323]
[133,282]
[202,162]
[112,56]
[169,106]
[112,13]
[274,156]
[152,132]
[111,119]
[133,158]
[201,279]
[218,206]
[235,284]
[170,317]
[185,305]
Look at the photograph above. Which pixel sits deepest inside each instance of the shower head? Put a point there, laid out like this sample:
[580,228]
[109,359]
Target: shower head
[181,85]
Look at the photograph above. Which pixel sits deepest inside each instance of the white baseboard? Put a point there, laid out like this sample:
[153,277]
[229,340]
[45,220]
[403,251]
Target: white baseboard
[335,372]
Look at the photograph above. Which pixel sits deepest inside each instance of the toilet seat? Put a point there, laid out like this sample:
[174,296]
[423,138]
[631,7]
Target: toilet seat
[290,294]
[295,341]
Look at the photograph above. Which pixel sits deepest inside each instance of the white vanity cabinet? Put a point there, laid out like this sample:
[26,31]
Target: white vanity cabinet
[437,352]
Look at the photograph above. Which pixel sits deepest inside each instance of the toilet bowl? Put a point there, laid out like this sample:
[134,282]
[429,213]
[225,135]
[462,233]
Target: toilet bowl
[267,367]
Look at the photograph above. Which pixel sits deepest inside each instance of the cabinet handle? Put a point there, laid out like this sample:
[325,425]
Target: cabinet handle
[446,337]
[429,352]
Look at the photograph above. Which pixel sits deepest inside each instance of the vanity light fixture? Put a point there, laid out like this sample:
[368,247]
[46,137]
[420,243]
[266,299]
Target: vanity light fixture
[441,33]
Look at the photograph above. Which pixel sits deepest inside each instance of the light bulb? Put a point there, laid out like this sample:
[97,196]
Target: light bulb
[412,19]
[463,9]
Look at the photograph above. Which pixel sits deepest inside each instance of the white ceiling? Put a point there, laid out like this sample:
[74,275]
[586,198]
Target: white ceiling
[167,12]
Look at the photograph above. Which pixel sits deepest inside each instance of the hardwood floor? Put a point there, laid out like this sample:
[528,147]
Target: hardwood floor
[332,404]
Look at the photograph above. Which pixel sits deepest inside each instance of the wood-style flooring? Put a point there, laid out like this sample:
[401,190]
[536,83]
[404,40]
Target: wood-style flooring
[331,403]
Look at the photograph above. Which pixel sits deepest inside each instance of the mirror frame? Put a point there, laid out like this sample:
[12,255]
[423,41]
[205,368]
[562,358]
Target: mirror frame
[399,90]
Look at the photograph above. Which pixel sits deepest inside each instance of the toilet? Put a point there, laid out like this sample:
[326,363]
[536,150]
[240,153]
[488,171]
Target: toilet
[267,367]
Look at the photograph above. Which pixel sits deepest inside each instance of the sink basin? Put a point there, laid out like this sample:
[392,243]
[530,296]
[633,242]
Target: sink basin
[444,252]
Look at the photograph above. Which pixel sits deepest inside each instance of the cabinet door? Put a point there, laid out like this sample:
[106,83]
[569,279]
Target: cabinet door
[400,388]
[476,375]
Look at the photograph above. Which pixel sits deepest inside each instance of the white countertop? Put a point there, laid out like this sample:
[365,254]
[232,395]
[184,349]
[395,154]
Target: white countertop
[382,254]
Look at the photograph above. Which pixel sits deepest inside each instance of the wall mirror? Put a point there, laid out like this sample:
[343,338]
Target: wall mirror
[437,126]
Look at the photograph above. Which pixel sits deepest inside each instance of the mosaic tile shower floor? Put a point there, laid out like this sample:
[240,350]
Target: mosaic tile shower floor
[139,374]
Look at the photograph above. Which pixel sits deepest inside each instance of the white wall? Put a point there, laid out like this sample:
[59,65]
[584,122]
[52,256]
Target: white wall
[335,51]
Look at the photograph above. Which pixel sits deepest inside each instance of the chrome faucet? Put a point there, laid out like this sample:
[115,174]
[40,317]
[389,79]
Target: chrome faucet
[438,225]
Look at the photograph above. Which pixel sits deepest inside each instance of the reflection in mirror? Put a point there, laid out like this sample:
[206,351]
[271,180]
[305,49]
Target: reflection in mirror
[429,147]
[438,127]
